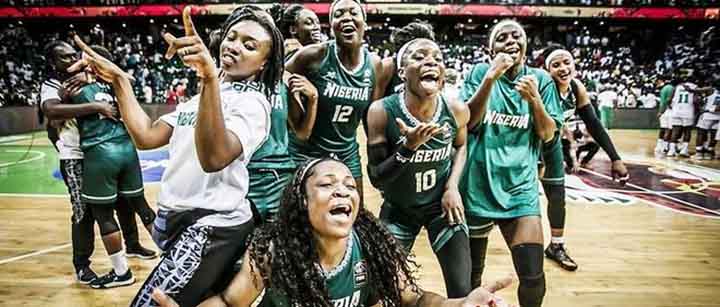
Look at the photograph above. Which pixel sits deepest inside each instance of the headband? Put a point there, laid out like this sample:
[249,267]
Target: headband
[557,53]
[497,28]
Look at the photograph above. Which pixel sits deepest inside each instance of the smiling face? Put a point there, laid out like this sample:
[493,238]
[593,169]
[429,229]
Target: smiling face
[347,22]
[244,50]
[510,39]
[562,69]
[307,28]
[64,56]
[423,68]
[333,200]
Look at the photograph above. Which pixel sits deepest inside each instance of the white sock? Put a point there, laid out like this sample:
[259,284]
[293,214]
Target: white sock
[119,263]
[671,148]
[557,240]
[685,146]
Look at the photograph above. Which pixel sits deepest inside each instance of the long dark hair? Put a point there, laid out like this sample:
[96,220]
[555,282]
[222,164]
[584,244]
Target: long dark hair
[274,68]
[285,252]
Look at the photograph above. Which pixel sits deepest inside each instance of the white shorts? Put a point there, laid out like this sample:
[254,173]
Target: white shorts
[682,121]
[665,120]
[708,121]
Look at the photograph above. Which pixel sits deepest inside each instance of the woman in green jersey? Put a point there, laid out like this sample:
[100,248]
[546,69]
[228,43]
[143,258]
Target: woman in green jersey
[514,109]
[327,250]
[416,153]
[575,100]
[299,26]
[347,78]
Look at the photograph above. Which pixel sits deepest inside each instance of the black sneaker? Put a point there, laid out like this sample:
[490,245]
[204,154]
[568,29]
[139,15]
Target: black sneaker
[111,280]
[85,275]
[557,253]
[140,252]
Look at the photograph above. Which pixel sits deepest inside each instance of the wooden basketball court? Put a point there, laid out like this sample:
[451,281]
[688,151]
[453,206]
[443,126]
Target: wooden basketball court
[636,247]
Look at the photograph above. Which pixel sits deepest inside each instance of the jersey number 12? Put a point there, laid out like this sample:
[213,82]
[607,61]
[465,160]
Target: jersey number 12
[342,114]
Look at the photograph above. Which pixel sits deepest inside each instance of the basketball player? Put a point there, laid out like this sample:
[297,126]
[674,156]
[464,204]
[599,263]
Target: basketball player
[514,109]
[574,101]
[299,26]
[708,125]
[204,215]
[664,116]
[683,116]
[416,153]
[55,105]
[327,250]
[347,78]
[399,37]
[111,172]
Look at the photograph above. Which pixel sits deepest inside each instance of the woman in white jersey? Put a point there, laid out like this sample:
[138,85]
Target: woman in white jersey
[204,216]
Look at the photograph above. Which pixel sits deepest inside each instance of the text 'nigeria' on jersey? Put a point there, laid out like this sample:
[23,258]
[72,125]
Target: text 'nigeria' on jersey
[513,121]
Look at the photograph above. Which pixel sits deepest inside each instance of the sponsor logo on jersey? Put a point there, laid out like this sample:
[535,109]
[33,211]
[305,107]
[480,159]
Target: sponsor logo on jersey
[187,118]
[360,274]
[333,90]
[513,121]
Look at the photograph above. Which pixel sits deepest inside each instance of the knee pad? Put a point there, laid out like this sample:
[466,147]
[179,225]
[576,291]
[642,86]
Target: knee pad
[556,205]
[105,219]
[528,261]
[141,207]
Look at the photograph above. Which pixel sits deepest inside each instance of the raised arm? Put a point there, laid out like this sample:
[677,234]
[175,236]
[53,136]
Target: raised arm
[545,126]
[482,86]
[301,112]
[216,145]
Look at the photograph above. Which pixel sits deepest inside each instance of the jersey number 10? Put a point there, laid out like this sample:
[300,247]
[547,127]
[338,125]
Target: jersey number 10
[425,181]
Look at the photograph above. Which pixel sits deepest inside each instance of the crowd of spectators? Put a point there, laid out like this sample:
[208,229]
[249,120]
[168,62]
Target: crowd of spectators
[605,61]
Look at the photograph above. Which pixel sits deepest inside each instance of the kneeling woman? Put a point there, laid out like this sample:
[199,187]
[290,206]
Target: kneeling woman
[326,250]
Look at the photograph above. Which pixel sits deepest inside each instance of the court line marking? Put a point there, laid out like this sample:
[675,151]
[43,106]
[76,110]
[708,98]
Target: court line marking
[34,195]
[657,194]
[35,253]
[40,155]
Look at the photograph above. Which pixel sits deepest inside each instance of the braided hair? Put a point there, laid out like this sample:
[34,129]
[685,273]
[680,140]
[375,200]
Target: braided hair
[285,17]
[271,74]
[285,252]
[414,30]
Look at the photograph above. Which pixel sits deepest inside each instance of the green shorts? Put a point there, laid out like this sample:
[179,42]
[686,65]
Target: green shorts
[405,224]
[552,157]
[350,158]
[110,169]
[266,190]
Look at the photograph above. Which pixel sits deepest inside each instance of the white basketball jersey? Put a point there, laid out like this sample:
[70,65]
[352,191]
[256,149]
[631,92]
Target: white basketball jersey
[683,105]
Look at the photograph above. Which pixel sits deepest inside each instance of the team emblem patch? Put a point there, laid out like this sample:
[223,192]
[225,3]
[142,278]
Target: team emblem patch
[360,274]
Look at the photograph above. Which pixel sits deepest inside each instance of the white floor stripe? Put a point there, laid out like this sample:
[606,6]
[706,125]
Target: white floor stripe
[40,252]
[39,156]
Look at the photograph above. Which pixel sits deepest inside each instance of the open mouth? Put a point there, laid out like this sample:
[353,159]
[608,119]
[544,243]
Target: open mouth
[564,76]
[316,36]
[228,58]
[341,210]
[430,79]
[347,29]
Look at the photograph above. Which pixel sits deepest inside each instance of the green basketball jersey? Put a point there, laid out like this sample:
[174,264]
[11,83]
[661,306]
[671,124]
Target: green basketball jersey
[666,95]
[423,179]
[96,128]
[395,86]
[500,177]
[347,284]
[274,152]
[343,99]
